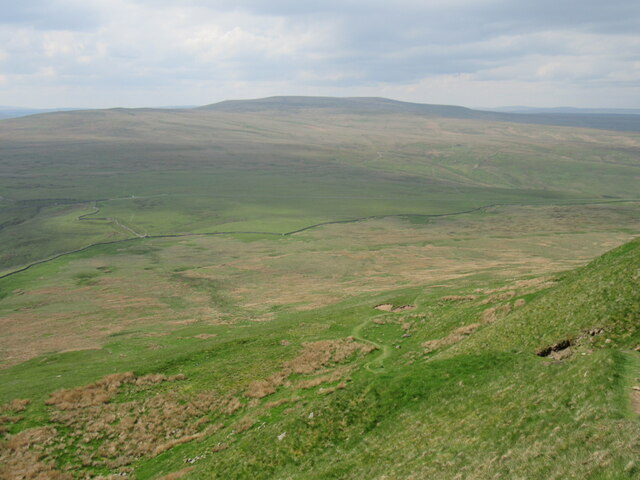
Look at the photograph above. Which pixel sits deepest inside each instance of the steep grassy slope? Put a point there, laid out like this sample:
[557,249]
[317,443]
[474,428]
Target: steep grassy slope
[603,297]
[449,386]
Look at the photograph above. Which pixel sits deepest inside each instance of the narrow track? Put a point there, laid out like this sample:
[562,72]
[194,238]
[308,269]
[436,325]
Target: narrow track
[377,364]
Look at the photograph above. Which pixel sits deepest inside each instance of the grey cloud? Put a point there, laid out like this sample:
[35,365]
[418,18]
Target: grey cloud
[474,16]
[360,43]
[49,14]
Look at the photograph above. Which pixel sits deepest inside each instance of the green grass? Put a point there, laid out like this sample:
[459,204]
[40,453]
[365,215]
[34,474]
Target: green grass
[484,406]
[230,310]
[198,171]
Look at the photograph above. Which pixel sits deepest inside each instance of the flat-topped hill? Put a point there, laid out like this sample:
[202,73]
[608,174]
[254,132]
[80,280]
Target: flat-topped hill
[378,105]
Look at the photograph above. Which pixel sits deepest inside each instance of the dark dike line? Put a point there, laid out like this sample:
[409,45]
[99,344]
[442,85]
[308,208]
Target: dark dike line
[304,229]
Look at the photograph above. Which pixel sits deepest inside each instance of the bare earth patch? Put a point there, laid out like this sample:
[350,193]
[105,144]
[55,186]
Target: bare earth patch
[385,307]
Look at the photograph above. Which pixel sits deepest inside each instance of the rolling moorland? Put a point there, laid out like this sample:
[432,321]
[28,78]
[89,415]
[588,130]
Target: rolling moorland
[319,288]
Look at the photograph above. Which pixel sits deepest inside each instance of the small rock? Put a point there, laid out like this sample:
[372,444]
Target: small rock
[311,415]
[608,340]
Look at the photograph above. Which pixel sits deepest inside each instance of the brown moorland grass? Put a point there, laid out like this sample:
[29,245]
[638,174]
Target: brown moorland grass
[329,390]
[315,268]
[458,298]
[103,390]
[106,433]
[499,297]
[314,357]
[281,401]
[488,316]
[635,399]
[176,475]
[125,432]
[22,456]
[330,378]
[16,406]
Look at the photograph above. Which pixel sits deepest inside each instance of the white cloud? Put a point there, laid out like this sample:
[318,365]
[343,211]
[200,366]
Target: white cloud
[143,52]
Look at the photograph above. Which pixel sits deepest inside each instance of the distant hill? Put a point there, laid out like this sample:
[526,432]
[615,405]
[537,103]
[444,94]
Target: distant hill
[376,106]
[625,120]
[521,109]
[15,112]
[356,105]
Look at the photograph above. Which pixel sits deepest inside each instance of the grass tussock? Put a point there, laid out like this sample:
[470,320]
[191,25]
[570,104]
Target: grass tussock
[314,357]
[103,390]
[314,382]
[389,307]
[244,424]
[492,314]
[188,438]
[15,406]
[94,394]
[112,435]
[458,298]
[281,401]
[499,297]
[487,317]
[263,388]
[176,475]
[329,390]
[22,456]
[125,432]
[11,408]
[457,335]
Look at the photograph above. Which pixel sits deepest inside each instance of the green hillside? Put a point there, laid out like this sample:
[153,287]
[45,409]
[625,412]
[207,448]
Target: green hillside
[304,288]
[433,383]
[70,179]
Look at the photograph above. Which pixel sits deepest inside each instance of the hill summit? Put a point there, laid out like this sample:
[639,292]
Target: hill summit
[379,105]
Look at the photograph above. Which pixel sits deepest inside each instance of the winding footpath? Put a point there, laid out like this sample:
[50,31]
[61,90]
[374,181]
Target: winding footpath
[139,236]
[376,365]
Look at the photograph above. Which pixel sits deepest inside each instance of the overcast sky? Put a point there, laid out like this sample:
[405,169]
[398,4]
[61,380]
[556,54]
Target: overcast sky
[105,53]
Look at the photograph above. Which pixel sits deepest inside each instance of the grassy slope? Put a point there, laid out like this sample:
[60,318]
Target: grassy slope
[152,285]
[484,406]
[199,171]
[479,404]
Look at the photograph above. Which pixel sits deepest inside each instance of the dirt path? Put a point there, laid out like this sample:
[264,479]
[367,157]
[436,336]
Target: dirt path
[376,365]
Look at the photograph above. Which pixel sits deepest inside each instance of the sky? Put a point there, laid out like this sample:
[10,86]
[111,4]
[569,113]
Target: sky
[476,53]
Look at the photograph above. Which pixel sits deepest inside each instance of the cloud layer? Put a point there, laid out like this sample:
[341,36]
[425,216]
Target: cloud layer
[470,52]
